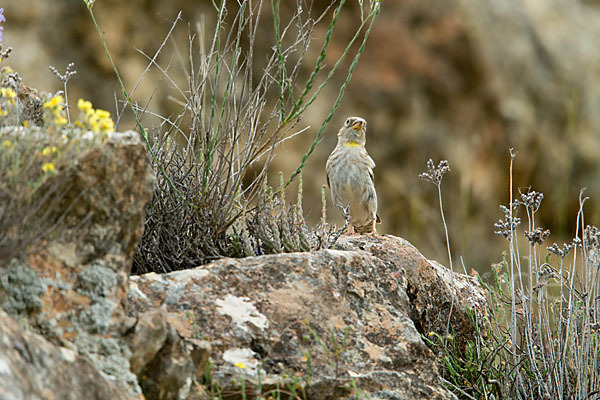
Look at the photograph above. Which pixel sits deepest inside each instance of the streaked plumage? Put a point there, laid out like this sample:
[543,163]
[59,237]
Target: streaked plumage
[350,177]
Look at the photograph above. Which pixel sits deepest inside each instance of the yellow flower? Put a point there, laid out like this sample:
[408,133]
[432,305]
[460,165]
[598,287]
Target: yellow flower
[49,150]
[48,167]
[102,114]
[107,125]
[54,101]
[8,93]
[60,120]
[6,143]
[100,122]
[55,105]
[95,123]
[240,365]
[85,106]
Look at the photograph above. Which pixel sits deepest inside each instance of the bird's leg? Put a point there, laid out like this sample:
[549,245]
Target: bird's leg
[350,230]
[373,230]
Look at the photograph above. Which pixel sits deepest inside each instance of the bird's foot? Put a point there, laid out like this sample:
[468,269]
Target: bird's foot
[373,230]
[350,230]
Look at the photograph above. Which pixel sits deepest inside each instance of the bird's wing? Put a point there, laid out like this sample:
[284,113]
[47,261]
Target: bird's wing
[371,165]
[328,185]
[373,182]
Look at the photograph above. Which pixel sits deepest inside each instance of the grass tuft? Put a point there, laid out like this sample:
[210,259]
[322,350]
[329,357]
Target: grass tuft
[545,315]
[212,158]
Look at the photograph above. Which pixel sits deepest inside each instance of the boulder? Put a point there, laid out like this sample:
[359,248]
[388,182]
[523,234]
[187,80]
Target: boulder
[70,289]
[441,301]
[327,324]
[33,368]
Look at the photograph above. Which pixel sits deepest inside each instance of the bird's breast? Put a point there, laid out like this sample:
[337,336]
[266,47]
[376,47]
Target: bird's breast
[352,175]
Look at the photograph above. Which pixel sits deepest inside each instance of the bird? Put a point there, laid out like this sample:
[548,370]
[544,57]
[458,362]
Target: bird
[350,177]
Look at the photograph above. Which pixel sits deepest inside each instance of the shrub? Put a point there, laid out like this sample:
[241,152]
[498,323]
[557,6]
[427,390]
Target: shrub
[545,316]
[37,148]
[212,159]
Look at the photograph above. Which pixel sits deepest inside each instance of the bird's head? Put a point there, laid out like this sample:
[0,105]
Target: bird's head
[353,132]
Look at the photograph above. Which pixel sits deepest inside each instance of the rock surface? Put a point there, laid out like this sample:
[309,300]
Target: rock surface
[71,291]
[271,316]
[33,368]
[439,298]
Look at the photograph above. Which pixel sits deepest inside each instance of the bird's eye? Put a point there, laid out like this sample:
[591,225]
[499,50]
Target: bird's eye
[349,122]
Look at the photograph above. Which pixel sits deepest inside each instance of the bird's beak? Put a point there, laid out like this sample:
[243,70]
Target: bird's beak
[358,125]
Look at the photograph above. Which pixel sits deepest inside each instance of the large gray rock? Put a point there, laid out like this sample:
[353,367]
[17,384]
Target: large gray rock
[440,300]
[264,317]
[70,289]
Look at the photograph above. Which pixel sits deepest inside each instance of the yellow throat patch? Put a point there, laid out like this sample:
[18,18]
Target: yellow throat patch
[352,144]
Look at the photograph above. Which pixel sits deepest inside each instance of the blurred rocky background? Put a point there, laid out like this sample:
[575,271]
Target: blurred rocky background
[462,80]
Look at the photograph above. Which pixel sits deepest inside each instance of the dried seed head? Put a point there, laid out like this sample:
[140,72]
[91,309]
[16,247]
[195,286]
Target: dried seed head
[67,75]
[591,237]
[532,199]
[545,273]
[5,53]
[433,174]
[505,227]
[537,236]
[562,253]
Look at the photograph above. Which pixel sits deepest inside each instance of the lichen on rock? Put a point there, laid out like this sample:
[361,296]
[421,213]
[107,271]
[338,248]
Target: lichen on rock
[70,289]
[262,315]
[21,289]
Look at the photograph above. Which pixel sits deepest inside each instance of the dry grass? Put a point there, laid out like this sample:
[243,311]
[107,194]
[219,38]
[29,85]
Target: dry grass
[545,315]
[212,158]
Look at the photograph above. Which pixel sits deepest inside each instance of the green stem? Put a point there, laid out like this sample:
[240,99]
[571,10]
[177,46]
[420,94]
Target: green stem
[319,138]
[138,123]
[280,58]
[309,84]
[209,151]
